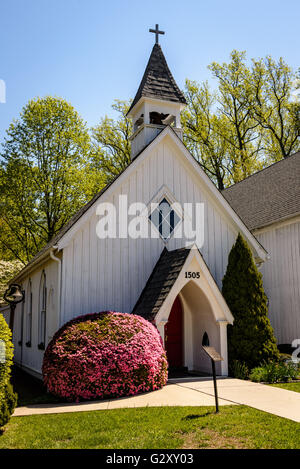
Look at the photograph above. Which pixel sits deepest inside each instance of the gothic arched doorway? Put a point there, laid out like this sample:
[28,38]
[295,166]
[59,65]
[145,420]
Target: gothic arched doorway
[174,335]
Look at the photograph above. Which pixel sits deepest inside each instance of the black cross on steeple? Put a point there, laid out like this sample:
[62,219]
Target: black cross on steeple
[157,32]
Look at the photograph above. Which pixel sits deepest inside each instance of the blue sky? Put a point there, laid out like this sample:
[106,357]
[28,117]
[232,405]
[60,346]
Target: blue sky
[93,51]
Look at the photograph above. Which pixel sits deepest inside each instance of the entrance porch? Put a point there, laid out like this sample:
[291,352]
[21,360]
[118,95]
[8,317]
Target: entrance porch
[182,298]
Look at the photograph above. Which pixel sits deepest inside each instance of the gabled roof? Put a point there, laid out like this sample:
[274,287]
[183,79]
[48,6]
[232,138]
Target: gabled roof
[164,277]
[158,81]
[268,196]
[160,282]
[65,231]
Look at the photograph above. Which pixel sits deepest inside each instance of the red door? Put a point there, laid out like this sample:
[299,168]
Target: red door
[174,336]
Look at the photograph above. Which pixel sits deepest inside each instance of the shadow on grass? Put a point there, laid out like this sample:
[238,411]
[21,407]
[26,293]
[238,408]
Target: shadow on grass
[197,416]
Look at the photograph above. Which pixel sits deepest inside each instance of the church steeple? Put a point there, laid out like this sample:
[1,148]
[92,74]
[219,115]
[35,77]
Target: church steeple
[158,101]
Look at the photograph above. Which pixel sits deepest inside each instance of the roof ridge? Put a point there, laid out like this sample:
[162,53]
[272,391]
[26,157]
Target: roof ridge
[270,197]
[263,169]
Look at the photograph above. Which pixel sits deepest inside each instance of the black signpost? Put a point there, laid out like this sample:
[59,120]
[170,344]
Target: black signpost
[215,357]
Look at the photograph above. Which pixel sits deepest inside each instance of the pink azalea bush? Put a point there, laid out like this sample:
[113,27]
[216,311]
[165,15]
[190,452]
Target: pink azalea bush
[105,355]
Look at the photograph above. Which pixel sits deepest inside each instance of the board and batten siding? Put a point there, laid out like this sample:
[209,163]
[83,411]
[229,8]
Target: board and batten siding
[281,277]
[109,274]
[31,358]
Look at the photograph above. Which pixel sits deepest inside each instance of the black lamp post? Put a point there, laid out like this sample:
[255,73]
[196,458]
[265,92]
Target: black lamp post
[13,295]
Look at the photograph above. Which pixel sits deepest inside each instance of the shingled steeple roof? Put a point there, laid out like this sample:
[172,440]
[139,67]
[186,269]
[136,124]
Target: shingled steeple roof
[158,81]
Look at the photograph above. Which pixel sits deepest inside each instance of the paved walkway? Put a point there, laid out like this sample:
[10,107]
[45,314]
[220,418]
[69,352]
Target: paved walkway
[270,399]
[190,392]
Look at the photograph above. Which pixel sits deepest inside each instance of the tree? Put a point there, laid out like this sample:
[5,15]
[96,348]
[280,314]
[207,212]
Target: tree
[242,132]
[272,85]
[46,175]
[8,269]
[201,135]
[111,144]
[249,121]
[251,338]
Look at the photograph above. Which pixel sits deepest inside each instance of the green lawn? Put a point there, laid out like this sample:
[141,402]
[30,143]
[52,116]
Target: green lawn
[289,386]
[153,428]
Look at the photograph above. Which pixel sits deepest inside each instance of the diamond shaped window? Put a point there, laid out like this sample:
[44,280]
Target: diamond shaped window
[165,219]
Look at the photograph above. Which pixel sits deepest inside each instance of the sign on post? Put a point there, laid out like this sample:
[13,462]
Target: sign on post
[215,357]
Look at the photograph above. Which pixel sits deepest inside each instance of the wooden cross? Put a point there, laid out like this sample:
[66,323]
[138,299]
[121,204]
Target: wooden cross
[157,32]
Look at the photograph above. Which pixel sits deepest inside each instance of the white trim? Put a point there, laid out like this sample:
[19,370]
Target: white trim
[180,282]
[59,290]
[214,193]
[164,192]
[222,316]
[40,260]
[224,347]
[151,126]
[278,224]
[160,102]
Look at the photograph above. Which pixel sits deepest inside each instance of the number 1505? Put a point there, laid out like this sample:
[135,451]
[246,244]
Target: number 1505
[192,275]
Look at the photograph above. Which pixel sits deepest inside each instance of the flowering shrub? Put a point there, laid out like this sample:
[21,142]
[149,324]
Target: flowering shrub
[104,355]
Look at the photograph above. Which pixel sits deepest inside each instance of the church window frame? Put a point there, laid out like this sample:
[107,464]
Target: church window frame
[42,324]
[29,315]
[156,219]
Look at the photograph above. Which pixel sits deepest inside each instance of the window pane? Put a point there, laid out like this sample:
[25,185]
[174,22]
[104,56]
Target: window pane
[164,218]
[164,208]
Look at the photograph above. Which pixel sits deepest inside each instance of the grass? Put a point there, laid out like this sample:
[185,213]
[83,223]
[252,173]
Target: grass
[153,428]
[289,386]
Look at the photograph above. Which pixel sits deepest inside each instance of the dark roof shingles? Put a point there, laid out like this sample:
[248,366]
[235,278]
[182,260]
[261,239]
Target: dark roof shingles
[158,81]
[160,282]
[269,195]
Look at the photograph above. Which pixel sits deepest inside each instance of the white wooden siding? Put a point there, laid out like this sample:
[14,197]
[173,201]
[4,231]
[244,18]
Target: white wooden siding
[281,275]
[117,269]
[32,357]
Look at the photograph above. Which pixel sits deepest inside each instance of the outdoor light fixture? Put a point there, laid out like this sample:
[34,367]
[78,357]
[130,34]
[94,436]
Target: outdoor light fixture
[13,295]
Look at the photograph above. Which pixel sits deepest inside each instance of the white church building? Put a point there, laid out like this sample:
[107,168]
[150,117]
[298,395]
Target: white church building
[164,272]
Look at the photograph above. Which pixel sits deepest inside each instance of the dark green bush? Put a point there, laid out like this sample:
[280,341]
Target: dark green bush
[7,397]
[239,369]
[7,405]
[251,338]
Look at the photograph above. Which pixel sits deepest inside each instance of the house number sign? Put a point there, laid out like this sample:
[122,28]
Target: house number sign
[192,275]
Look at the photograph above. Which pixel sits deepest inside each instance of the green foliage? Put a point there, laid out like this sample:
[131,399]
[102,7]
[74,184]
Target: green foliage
[249,121]
[271,87]
[251,338]
[46,175]
[274,372]
[111,144]
[7,271]
[8,402]
[7,396]
[239,369]
[201,132]
[241,131]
